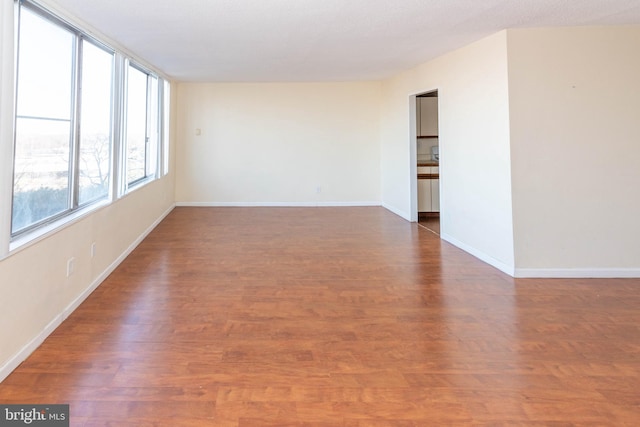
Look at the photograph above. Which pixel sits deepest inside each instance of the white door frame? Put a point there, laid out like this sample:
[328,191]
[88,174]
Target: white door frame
[413,151]
[413,157]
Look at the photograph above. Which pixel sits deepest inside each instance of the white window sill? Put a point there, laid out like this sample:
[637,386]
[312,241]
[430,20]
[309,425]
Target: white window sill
[47,230]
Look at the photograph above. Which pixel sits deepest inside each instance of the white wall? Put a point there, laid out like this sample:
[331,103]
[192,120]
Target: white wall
[276,143]
[475,175]
[575,133]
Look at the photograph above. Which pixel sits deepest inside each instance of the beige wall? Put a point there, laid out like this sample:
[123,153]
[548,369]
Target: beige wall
[475,176]
[575,136]
[276,143]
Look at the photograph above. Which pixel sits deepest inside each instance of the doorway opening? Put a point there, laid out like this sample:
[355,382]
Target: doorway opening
[428,161]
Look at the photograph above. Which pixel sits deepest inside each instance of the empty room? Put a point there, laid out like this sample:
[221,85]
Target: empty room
[319,213]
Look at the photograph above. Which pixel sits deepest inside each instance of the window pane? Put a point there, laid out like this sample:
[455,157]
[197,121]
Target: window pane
[44,68]
[41,179]
[95,123]
[43,121]
[136,124]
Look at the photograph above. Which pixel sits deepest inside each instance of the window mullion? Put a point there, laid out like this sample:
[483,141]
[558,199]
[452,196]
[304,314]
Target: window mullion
[117,125]
[123,90]
[74,168]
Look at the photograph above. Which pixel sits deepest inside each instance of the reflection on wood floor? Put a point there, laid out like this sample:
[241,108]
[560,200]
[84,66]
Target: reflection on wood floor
[431,222]
[334,317]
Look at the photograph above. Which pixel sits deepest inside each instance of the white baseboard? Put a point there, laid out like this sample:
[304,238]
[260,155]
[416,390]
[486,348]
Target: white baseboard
[505,268]
[274,204]
[31,346]
[578,273]
[21,355]
[398,212]
[76,303]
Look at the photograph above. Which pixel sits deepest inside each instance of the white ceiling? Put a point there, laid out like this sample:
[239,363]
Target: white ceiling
[320,40]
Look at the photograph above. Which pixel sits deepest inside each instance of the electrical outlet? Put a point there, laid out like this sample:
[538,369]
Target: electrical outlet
[318,189]
[71,266]
[93,249]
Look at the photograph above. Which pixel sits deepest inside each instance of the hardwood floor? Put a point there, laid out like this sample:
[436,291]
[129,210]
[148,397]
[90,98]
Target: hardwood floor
[264,317]
[430,222]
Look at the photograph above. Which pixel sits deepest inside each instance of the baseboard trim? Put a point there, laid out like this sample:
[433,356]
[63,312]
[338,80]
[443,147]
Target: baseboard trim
[274,204]
[401,214]
[30,347]
[578,273]
[110,269]
[505,268]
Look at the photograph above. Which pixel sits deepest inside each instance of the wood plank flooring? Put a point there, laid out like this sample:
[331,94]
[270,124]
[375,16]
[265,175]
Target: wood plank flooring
[353,317]
[431,223]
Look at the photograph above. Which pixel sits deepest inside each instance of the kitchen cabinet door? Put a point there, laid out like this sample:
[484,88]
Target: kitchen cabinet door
[424,195]
[428,125]
[435,195]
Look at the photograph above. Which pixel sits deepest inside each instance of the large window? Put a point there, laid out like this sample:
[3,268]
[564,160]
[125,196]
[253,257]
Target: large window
[44,121]
[142,125]
[94,157]
[77,103]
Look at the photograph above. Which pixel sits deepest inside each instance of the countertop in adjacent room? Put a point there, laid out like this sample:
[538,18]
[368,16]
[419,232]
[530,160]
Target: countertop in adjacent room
[428,163]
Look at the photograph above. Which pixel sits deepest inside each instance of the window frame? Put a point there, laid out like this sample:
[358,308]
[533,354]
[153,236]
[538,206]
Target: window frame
[128,186]
[79,37]
[83,38]
[117,185]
